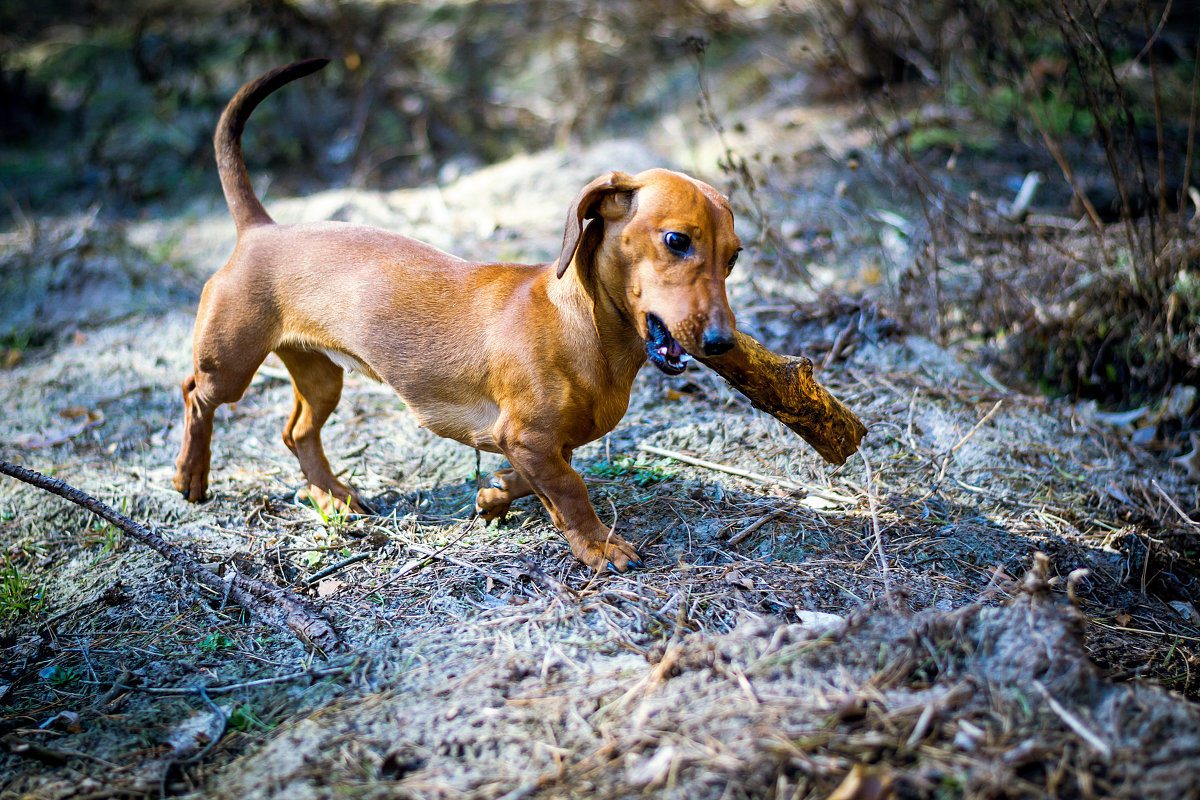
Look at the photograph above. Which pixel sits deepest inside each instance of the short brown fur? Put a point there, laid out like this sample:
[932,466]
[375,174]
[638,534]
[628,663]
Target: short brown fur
[528,361]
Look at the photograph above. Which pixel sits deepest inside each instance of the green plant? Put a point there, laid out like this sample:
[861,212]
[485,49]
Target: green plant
[165,250]
[243,718]
[18,595]
[57,675]
[644,474]
[215,642]
[18,340]
[333,520]
[104,534]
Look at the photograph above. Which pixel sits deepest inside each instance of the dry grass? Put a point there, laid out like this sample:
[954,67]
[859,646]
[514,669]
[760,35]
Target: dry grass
[486,663]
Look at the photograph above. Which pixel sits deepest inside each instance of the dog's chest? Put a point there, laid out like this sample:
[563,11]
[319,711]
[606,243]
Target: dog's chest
[471,423]
[594,417]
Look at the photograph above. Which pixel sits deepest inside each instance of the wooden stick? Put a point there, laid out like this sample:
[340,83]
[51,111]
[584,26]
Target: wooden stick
[267,603]
[784,387]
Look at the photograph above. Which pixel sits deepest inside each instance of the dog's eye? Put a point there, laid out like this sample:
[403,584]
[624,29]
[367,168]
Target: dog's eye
[678,243]
[733,260]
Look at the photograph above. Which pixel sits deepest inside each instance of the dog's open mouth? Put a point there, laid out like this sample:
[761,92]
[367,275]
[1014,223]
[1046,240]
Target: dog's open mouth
[664,352]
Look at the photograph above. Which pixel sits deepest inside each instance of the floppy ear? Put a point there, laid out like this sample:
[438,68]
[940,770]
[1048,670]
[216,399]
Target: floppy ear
[585,207]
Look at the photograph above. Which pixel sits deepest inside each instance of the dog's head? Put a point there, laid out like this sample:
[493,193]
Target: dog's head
[661,244]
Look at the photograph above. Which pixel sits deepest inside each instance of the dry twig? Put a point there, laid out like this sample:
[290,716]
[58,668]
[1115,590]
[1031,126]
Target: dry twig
[267,603]
[1174,505]
[741,535]
[757,477]
[311,580]
[1075,723]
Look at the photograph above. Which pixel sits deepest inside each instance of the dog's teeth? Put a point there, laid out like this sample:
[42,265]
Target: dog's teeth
[685,358]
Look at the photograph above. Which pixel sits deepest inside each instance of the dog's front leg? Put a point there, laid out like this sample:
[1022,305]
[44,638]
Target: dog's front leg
[544,465]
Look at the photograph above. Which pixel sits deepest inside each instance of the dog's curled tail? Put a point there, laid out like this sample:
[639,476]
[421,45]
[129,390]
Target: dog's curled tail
[243,204]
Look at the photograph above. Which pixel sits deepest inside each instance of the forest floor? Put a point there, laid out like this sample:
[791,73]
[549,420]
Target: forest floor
[887,627]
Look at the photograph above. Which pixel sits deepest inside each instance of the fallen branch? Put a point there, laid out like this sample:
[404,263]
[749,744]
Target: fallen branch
[784,387]
[269,604]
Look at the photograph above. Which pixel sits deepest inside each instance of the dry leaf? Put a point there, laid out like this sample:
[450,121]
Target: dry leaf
[653,770]
[1191,461]
[865,783]
[819,503]
[820,623]
[738,579]
[1186,610]
[195,732]
[1120,419]
[63,721]
[329,586]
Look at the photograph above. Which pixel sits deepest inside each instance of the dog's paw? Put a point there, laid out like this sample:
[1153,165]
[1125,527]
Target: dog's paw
[506,485]
[611,553]
[191,483]
[492,504]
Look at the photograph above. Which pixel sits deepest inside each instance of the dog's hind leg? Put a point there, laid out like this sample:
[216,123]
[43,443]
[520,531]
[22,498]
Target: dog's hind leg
[203,392]
[195,452]
[507,485]
[318,387]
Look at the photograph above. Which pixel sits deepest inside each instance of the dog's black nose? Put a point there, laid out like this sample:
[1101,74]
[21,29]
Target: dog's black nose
[716,342]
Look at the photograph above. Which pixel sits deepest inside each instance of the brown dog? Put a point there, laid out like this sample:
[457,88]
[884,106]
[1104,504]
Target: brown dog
[528,361]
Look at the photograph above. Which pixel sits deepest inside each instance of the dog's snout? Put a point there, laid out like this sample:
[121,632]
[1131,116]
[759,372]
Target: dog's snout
[717,341]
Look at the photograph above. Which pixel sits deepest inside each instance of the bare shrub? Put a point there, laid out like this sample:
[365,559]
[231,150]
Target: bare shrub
[1101,94]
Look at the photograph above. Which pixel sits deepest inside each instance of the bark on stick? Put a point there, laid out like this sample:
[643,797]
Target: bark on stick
[784,387]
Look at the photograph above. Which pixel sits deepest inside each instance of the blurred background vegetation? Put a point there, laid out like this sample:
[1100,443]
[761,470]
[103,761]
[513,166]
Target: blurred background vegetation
[117,100]
[112,104]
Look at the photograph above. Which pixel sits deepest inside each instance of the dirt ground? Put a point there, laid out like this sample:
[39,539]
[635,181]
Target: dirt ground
[887,627]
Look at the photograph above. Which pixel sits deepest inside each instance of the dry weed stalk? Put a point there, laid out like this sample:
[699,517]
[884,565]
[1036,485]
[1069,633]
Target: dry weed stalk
[738,171]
